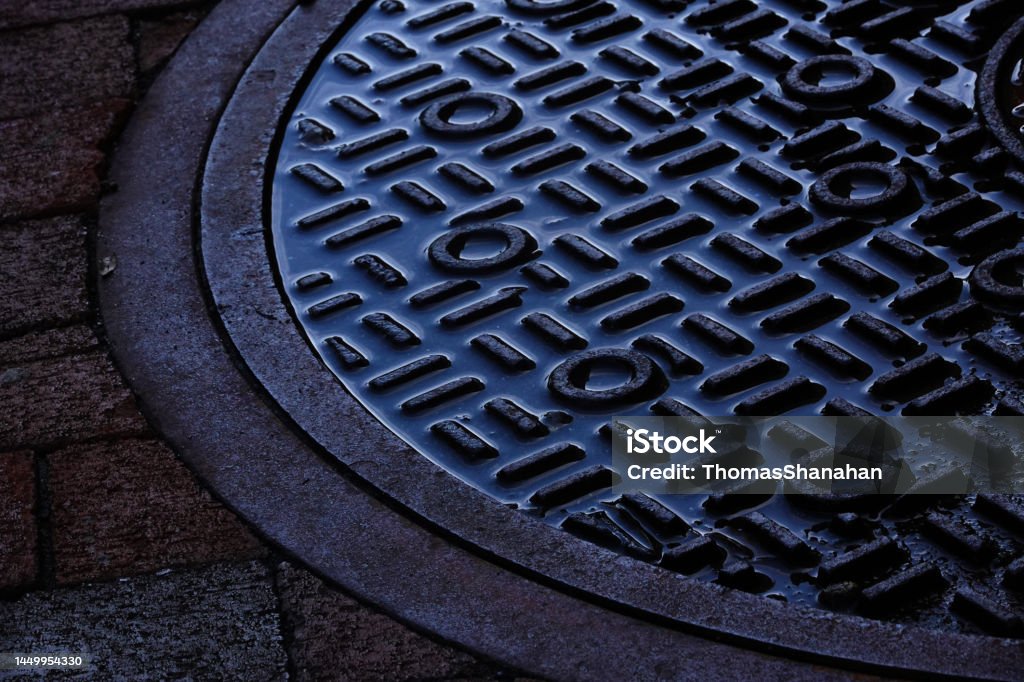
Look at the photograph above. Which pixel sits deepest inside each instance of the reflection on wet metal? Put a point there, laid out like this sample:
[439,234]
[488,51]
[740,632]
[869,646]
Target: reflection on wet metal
[501,224]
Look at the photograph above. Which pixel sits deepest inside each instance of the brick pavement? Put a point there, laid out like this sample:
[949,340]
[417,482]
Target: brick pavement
[218,619]
[42,275]
[107,542]
[18,563]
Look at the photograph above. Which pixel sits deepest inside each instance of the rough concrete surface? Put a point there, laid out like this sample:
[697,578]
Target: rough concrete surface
[363,646]
[65,65]
[53,159]
[47,343]
[52,402]
[30,12]
[42,275]
[217,622]
[17,525]
[128,507]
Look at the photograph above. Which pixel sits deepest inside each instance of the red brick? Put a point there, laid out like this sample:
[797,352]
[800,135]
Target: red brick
[17,523]
[47,344]
[42,275]
[27,12]
[53,160]
[52,402]
[332,637]
[65,65]
[132,507]
[159,38]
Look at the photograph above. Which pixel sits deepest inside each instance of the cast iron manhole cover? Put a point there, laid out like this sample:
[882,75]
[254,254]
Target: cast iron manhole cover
[501,223]
[435,248]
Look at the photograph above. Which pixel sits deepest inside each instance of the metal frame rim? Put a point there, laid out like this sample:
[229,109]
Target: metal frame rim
[890,648]
[989,91]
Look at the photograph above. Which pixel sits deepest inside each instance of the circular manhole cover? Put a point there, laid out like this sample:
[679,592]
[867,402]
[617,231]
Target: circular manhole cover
[502,223]
[470,234]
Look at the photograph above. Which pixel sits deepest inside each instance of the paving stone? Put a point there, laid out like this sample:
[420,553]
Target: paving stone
[53,160]
[18,531]
[333,637]
[132,507]
[217,622]
[29,12]
[49,403]
[42,275]
[159,38]
[46,344]
[65,65]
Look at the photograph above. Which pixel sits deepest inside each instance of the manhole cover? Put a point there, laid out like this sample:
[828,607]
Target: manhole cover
[444,244]
[502,223]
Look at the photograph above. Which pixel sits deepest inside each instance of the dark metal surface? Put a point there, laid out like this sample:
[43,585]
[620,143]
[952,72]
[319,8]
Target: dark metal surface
[744,208]
[248,453]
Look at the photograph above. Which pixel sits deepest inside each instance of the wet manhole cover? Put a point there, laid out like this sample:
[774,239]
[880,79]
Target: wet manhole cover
[484,229]
[501,224]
